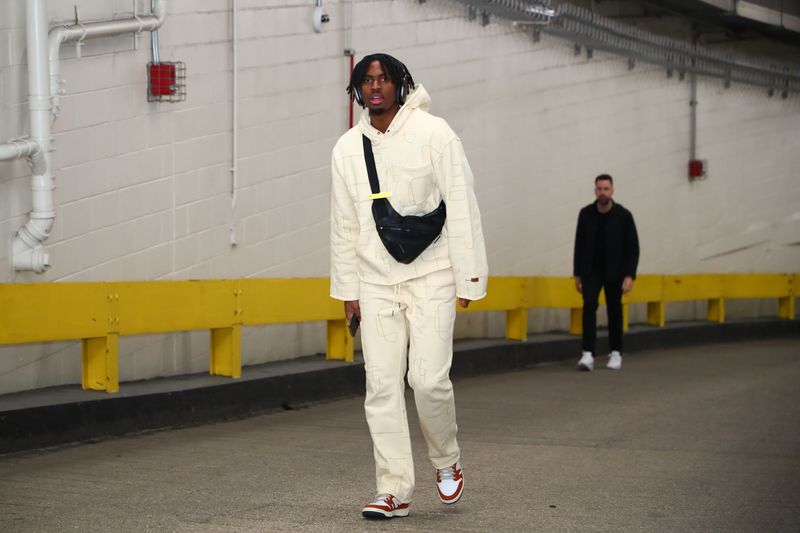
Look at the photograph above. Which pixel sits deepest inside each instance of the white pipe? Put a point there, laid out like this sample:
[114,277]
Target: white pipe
[693,118]
[348,28]
[80,31]
[27,248]
[19,148]
[235,111]
[44,92]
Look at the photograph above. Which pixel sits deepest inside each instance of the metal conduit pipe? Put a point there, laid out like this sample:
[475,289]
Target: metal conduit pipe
[693,118]
[349,52]
[235,118]
[593,31]
[154,35]
[79,32]
[44,91]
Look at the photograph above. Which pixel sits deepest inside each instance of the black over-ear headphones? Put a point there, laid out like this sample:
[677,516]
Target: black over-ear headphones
[357,96]
[402,87]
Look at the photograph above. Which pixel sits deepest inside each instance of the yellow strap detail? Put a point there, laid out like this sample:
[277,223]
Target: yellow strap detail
[379,195]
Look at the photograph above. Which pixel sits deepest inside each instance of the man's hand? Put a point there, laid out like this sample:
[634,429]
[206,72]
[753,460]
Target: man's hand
[351,308]
[627,284]
[464,302]
[578,285]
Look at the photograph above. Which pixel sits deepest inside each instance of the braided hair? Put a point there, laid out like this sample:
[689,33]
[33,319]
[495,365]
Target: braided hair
[392,67]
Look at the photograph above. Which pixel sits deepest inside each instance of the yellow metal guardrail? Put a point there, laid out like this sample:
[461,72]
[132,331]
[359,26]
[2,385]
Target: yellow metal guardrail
[99,312]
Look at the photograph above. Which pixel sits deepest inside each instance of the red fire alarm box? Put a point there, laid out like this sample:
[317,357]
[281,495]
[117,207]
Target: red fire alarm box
[162,79]
[697,169]
[166,82]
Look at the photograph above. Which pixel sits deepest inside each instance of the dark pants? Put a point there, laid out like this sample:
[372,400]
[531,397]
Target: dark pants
[591,291]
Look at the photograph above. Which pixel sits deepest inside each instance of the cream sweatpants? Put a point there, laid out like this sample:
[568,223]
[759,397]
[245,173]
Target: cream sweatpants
[418,314]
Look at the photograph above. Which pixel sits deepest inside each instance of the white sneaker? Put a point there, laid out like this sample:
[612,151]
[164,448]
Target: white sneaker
[587,362]
[614,361]
[385,506]
[450,483]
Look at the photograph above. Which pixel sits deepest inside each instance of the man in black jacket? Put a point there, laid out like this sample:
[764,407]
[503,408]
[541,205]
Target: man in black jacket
[606,256]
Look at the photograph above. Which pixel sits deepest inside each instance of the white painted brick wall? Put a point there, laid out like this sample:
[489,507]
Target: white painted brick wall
[144,189]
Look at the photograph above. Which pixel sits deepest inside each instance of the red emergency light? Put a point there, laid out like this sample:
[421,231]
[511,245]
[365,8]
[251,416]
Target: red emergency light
[697,169]
[166,81]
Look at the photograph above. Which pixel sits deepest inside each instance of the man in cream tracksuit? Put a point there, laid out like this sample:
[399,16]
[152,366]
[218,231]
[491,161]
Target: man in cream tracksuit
[419,162]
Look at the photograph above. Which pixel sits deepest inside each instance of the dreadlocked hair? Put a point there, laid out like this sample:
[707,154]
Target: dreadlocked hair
[392,67]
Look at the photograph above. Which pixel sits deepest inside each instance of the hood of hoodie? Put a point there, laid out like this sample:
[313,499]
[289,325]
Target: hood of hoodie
[418,98]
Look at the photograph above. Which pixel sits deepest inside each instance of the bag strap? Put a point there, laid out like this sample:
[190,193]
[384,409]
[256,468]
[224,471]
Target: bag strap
[371,170]
[379,208]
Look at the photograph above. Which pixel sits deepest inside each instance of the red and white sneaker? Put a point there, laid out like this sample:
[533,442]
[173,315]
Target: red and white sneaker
[450,483]
[385,506]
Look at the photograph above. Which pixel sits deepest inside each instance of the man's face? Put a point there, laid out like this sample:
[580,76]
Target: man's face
[378,90]
[603,191]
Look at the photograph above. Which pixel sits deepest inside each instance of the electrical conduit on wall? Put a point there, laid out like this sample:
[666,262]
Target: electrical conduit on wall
[349,51]
[44,94]
[235,118]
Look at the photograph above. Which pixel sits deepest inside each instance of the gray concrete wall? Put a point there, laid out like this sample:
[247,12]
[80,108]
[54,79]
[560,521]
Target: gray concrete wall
[144,189]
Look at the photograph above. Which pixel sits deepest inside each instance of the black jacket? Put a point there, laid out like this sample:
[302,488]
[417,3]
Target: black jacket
[622,242]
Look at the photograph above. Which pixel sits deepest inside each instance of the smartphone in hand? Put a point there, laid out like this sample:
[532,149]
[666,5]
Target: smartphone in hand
[352,324]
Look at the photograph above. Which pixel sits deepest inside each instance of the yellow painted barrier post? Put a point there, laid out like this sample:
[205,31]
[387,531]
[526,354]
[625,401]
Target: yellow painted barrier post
[786,307]
[716,310]
[576,321]
[517,324]
[340,345]
[100,367]
[226,342]
[226,351]
[655,314]
[100,355]
[786,304]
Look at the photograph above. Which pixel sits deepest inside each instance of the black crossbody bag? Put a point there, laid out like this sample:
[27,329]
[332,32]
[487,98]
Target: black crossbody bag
[404,237]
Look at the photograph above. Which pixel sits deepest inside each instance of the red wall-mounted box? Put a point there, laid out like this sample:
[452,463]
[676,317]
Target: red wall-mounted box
[696,169]
[162,79]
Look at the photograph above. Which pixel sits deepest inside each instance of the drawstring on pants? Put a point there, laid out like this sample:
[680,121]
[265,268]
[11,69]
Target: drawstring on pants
[396,297]
[412,306]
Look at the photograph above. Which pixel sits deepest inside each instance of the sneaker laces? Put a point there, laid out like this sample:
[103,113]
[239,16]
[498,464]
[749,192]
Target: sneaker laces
[448,472]
[388,498]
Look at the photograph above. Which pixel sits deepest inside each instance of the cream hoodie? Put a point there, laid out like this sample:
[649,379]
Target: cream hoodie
[419,160]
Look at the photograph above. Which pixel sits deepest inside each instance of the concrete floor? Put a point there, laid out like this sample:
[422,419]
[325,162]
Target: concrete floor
[702,438]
